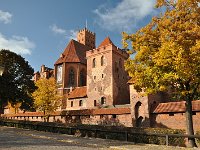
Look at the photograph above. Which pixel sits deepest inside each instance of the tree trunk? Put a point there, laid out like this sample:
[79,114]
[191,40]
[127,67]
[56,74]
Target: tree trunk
[189,122]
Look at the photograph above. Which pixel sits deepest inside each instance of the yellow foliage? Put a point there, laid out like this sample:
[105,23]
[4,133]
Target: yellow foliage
[168,49]
[45,97]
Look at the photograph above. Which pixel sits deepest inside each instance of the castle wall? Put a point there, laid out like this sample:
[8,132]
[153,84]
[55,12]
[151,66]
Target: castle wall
[176,121]
[120,77]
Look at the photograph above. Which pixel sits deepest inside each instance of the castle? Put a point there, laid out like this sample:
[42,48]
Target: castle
[91,76]
[96,89]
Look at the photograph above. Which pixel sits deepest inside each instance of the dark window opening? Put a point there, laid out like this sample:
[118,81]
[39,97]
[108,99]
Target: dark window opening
[71,77]
[102,61]
[80,103]
[114,116]
[103,100]
[94,63]
[95,103]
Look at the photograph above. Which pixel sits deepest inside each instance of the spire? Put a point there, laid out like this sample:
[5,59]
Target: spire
[86,23]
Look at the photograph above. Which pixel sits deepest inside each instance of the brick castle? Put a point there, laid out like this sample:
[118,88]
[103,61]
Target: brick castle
[98,90]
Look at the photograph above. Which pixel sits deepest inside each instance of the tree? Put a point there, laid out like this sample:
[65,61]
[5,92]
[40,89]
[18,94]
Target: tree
[167,54]
[16,81]
[45,97]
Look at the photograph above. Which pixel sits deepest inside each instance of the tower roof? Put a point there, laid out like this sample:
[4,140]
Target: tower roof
[105,42]
[74,52]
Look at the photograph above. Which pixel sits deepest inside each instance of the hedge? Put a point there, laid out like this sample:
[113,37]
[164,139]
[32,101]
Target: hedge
[137,135]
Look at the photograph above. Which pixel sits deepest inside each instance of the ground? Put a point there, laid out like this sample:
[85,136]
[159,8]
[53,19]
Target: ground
[23,139]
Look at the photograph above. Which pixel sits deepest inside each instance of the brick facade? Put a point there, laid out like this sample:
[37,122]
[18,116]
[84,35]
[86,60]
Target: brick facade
[106,76]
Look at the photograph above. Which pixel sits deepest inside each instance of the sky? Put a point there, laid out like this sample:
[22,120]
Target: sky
[39,30]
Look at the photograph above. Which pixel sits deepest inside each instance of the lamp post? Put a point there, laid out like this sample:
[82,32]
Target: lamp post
[1,70]
[1,103]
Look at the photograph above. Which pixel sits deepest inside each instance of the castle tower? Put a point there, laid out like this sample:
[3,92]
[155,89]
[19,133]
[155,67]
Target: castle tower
[106,76]
[87,38]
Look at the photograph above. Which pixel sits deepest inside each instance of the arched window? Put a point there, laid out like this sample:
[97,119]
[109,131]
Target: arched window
[102,60]
[71,77]
[82,78]
[94,63]
[103,100]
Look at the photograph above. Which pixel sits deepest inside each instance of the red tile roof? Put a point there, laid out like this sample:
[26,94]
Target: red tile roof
[78,92]
[101,111]
[30,114]
[74,52]
[105,42]
[176,107]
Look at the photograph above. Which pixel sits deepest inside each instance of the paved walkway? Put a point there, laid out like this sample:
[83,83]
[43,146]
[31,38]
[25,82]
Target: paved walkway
[22,139]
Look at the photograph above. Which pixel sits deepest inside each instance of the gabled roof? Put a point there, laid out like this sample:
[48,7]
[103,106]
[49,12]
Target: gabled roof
[176,107]
[78,92]
[105,42]
[74,52]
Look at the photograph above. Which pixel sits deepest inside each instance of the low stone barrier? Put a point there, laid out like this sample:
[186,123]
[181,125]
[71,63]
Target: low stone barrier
[137,135]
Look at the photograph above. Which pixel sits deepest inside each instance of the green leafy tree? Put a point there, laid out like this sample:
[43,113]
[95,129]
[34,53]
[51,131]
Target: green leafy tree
[45,97]
[167,54]
[16,83]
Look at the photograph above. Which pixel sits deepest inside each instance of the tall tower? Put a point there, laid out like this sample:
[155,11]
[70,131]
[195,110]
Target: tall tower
[86,37]
[106,76]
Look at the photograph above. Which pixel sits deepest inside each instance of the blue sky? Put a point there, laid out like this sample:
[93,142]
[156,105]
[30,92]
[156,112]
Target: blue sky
[40,30]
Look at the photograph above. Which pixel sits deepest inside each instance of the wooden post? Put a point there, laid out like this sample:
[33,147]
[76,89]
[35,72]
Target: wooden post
[167,140]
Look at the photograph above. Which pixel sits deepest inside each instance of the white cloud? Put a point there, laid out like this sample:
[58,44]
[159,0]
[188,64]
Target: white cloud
[126,15]
[17,44]
[71,34]
[5,17]
[55,29]
[68,34]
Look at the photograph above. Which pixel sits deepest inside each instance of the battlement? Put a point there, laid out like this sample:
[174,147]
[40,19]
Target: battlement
[109,47]
[86,30]
[86,37]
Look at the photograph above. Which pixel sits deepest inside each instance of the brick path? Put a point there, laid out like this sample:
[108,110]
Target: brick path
[22,139]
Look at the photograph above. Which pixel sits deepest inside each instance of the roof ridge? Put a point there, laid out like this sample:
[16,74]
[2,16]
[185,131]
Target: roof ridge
[105,42]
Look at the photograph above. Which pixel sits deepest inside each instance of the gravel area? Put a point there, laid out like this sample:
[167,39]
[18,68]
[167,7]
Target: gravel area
[24,139]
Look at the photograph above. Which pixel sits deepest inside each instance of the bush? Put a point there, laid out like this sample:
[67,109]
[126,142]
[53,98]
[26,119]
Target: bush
[142,135]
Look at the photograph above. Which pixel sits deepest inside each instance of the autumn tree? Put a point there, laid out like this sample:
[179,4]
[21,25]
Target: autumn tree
[167,54]
[45,97]
[16,85]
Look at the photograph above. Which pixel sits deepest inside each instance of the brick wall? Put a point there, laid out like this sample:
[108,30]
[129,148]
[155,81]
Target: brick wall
[176,121]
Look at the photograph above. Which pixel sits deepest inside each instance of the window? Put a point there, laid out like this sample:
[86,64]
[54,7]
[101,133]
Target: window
[71,77]
[82,78]
[80,103]
[94,77]
[102,75]
[103,100]
[102,60]
[94,63]
[59,74]
[71,103]
[114,116]
[101,116]
[95,103]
